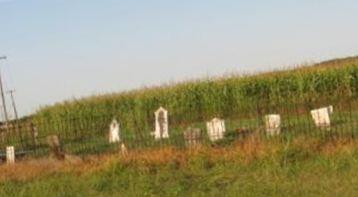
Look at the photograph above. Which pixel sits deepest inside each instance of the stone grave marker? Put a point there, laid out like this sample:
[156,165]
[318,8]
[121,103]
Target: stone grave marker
[192,136]
[216,129]
[55,146]
[124,150]
[10,155]
[273,124]
[161,124]
[34,134]
[114,132]
[321,116]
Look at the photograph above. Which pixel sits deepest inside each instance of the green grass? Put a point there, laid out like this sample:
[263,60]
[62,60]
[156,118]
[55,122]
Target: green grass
[291,170]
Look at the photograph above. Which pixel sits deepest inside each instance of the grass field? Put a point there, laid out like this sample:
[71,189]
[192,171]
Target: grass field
[301,167]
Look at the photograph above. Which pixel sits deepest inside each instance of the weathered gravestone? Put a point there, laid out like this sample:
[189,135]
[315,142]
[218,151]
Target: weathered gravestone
[321,117]
[34,133]
[114,132]
[55,146]
[216,129]
[10,155]
[124,150]
[192,136]
[161,124]
[273,124]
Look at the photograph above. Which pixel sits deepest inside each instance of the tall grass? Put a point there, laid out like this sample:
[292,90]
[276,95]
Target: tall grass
[200,100]
[304,167]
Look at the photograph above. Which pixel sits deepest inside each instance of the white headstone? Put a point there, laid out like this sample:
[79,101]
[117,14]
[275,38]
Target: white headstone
[114,132]
[216,129]
[321,116]
[10,154]
[273,124]
[161,124]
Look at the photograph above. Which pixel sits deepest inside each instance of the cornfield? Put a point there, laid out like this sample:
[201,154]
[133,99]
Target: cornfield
[242,102]
[201,100]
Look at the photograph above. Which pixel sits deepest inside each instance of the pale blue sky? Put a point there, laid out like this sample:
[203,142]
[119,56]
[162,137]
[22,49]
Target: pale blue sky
[60,49]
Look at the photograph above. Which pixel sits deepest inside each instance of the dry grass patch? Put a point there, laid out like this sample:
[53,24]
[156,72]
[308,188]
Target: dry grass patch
[244,152]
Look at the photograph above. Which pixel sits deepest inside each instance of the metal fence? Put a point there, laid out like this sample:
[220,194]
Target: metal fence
[90,135]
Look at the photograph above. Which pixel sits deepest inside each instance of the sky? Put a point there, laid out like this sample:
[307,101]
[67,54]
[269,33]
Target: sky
[63,49]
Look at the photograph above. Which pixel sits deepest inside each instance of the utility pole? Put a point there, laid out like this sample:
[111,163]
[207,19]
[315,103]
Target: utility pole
[11,92]
[3,98]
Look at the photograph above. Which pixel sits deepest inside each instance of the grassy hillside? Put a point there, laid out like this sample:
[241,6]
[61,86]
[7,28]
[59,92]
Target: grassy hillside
[200,100]
[303,160]
[302,167]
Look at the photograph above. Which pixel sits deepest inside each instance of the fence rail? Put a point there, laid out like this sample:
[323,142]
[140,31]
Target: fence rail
[90,134]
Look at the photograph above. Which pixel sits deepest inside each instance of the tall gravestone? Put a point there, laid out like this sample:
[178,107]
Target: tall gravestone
[161,124]
[273,124]
[114,132]
[192,136]
[321,116]
[216,129]
[10,155]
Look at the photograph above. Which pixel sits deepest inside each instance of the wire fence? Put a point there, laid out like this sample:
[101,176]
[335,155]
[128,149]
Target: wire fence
[89,135]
